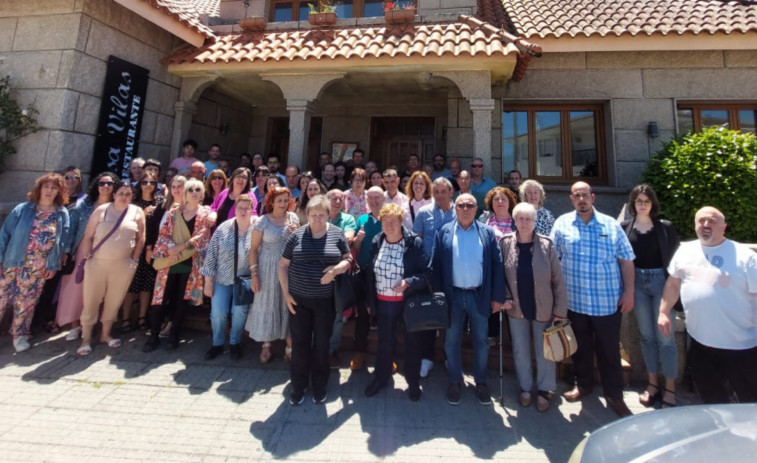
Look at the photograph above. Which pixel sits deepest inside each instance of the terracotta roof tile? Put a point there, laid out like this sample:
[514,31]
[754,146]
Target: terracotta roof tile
[189,12]
[533,19]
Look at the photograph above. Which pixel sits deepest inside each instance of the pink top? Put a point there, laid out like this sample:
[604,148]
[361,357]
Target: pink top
[356,205]
[182,164]
[232,212]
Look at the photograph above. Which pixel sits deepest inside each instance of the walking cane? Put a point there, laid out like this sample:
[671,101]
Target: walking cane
[501,395]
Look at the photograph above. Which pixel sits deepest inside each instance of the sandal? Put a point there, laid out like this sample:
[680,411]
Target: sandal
[143,326]
[114,343]
[288,354]
[649,400]
[665,403]
[126,326]
[265,355]
[84,351]
[52,327]
[542,400]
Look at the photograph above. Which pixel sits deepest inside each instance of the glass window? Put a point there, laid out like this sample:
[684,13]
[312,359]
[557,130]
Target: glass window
[583,144]
[715,117]
[304,12]
[373,8]
[515,141]
[548,143]
[685,120]
[344,9]
[736,116]
[747,121]
[282,11]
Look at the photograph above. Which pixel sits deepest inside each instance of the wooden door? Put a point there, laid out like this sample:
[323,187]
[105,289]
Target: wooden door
[393,139]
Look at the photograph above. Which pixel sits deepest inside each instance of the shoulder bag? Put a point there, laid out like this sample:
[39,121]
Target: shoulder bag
[559,341]
[242,294]
[79,277]
[180,234]
[426,310]
[344,289]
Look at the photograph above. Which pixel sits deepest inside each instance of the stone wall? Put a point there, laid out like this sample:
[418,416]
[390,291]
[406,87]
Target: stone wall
[56,53]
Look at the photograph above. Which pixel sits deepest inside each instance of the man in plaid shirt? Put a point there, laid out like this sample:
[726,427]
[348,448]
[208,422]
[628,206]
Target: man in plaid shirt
[597,262]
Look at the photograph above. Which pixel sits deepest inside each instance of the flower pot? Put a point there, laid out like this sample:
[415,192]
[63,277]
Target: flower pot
[322,19]
[406,15]
[255,23]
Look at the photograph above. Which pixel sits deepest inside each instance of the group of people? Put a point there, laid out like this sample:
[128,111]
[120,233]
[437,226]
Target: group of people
[83,258]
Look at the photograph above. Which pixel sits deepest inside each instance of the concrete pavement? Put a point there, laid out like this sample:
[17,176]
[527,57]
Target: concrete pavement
[121,405]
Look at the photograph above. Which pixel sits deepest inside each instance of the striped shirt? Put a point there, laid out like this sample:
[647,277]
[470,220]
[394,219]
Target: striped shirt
[309,257]
[219,254]
[589,254]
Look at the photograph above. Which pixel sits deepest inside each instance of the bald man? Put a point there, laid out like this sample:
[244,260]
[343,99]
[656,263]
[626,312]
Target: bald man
[716,279]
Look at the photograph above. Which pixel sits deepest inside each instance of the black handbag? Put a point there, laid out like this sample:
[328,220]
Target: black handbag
[426,310]
[68,269]
[242,294]
[344,289]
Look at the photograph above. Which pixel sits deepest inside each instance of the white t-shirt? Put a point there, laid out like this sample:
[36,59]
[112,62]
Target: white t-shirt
[719,293]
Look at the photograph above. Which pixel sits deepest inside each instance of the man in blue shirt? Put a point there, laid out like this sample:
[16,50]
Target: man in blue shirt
[292,175]
[474,286]
[214,153]
[597,262]
[480,185]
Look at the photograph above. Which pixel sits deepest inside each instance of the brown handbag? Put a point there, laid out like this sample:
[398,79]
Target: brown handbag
[559,341]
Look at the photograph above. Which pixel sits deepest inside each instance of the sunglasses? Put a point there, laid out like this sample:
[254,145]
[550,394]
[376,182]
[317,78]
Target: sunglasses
[465,206]
[194,190]
[217,178]
[477,166]
[104,183]
[148,182]
[71,177]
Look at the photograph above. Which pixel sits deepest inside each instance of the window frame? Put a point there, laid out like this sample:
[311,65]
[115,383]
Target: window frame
[357,6]
[697,107]
[565,141]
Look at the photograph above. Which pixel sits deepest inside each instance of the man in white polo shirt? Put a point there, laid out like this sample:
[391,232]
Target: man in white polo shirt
[716,279]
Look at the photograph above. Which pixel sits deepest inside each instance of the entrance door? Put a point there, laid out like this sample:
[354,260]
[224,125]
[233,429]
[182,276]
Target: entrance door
[393,139]
[278,140]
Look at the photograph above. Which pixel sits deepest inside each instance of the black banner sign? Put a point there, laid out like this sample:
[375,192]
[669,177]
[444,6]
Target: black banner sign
[121,111]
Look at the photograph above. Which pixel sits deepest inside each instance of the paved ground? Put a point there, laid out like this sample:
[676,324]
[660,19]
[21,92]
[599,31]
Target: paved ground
[123,405]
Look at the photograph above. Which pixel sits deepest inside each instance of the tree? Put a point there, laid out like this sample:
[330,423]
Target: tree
[14,121]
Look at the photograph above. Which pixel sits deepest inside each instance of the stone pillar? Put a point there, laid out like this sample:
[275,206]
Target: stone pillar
[182,123]
[482,128]
[299,129]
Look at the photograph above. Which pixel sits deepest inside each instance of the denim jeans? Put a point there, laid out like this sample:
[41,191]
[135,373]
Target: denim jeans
[521,331]
[220,306]
[464,303]
[654,346]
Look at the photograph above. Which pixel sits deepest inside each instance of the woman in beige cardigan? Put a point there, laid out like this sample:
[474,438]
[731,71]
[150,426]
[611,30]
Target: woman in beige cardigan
[537,296]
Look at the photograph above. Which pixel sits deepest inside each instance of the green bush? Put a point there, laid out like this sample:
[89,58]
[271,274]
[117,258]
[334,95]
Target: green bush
[14,121]
[715,167]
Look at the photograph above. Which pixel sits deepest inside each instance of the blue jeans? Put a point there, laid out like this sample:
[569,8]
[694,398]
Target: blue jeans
[464,303]
[220,306]
[654,346]
[521,331]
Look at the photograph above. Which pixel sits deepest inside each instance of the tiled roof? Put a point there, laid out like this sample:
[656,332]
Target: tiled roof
[467,37]
[189,12]
[535,19]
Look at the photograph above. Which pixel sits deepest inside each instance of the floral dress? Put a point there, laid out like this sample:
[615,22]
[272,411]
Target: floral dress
[356,205]
[23,285]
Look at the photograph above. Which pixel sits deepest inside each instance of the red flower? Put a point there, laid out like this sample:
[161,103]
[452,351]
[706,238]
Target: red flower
[388,6]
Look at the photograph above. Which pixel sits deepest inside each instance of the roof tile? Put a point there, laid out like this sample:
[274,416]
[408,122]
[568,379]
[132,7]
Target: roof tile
[189,12]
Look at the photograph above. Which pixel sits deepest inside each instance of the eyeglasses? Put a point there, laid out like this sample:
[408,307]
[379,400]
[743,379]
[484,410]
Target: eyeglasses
[125,194]
[421,183]
[465,206]
[642,202]
[104,183]
[243,209]
[71,177]
[217,178]
[477,166]
[148,182]
[500,199]
[194,190]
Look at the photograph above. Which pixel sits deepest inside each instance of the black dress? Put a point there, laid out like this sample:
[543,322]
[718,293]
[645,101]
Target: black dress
[144,277]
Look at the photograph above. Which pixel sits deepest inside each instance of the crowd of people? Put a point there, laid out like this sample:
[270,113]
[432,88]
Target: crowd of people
[198,232]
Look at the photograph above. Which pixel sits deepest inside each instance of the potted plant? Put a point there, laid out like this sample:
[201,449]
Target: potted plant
[399,12]
[322,14]
[253,23]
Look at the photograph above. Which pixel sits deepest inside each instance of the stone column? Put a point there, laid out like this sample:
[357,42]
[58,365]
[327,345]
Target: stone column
[482,129]
[182,123]
[299,129]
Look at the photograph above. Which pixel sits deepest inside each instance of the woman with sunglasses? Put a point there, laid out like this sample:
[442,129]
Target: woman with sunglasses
[214,186]
[72,176]
[224,204]
[110,268]
[146,197]
[182,238]
[71,297]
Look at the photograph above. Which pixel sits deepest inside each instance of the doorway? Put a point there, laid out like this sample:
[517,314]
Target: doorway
[393,139]
[278,140]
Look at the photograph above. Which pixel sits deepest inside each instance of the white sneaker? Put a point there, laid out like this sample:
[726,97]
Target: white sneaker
[426,366]
[74,334]
[21,344]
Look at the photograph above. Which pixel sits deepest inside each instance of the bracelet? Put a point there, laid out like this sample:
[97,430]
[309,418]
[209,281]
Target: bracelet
[253,266]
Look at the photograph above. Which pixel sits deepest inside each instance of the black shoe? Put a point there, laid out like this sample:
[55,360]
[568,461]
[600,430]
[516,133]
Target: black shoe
[296,398]
[235,351]
[150,345]
[482,394]
[453,394]
[414,393]
[319,397]
[213,352]
[373,388]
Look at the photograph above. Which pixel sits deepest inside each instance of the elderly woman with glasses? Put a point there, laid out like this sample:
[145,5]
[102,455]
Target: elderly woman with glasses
[313,256]
[182,237]
[30,252]
[537,296]
[71,297]
[109,268]
[532,192]
[218,271]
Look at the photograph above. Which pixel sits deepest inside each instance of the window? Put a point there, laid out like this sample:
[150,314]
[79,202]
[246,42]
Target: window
[554,143]
[696,116]
[298,10]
